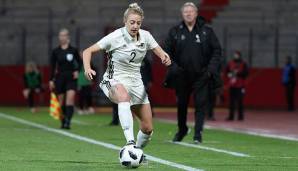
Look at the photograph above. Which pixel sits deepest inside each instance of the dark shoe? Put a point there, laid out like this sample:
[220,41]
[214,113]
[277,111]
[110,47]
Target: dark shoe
[197,142]
[113,123]
[180,135]
[198,139]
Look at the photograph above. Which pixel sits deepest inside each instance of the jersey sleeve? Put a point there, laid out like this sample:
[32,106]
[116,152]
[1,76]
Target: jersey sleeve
[105,42]
[151,43]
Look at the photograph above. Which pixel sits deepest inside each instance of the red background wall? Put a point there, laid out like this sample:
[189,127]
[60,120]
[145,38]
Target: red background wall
[264,88]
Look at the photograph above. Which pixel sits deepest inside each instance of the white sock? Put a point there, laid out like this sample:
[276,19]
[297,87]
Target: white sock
[126,120]
[143,139]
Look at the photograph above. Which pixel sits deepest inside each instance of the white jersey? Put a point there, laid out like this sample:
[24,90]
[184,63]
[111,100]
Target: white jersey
[125,54]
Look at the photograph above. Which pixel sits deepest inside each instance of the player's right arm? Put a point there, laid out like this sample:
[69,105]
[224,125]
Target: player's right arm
[103,44]
[53,71]
[87,54]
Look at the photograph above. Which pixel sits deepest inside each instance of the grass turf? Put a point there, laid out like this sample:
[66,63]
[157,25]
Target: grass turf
[27,148]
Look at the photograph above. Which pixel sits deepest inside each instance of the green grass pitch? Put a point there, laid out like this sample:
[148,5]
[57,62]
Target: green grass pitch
[24,147]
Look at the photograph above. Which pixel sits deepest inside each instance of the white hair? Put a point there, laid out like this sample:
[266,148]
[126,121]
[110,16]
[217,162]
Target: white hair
[191,4]
[64,30]
[135,9]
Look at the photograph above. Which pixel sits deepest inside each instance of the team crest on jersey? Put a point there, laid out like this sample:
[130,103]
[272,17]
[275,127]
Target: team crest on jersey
[141,45]
[69,57]
[198,40]
[182,37]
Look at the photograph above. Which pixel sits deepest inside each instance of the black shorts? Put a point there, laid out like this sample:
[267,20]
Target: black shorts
[64,82]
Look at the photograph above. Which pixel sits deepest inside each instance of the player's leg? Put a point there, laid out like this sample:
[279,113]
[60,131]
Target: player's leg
[118,94]
[60,91]
[144,113]
[69,107]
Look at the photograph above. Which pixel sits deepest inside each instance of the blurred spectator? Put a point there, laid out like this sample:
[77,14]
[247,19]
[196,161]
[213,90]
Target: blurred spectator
[196,54]
[65,66]
[85,94]
[289,81]
[237,72]
[32,82]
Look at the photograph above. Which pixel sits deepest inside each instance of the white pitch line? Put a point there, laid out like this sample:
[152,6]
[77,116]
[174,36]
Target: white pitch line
[211,149]
[254,132]
[92,141]
[79,122]
[248,131]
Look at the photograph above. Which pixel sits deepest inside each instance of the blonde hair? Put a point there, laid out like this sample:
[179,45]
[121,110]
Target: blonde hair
[31,66]
[133,8]
[191,4]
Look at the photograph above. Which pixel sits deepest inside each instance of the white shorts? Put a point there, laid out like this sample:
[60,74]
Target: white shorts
[134,87]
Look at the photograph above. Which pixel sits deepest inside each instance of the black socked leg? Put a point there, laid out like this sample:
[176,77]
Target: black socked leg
[68,116]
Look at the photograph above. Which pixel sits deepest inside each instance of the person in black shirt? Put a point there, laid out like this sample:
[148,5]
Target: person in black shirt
[65,65]
[196,53]
[32,82]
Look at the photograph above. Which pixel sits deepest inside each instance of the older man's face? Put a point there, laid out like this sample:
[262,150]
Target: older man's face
[189,14]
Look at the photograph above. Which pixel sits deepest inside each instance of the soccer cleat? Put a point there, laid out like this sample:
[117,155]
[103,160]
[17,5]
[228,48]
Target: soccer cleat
[131,142]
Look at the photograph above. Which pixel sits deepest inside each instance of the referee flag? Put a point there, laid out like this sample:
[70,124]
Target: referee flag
[55,108]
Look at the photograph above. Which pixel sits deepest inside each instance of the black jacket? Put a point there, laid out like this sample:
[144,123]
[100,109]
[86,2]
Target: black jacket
[208,59]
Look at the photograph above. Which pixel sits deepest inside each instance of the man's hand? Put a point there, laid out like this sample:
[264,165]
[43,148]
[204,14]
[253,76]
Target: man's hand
[89,73]
[166,60]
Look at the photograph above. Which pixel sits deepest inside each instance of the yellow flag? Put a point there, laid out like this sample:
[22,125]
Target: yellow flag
[55,108]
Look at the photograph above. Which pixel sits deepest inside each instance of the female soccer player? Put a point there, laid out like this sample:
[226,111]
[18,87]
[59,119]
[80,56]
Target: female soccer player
[65,65]
[122,82]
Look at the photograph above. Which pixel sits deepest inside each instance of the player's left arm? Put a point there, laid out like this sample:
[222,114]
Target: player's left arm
[165,58]
[157,50]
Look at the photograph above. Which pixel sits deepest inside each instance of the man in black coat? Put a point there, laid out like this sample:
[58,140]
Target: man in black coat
[196,56]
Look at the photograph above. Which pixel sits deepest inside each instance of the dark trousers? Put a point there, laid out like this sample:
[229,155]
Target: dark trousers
[211,101]
[85,99]
[236,100]
[31,98]
[199,87]
[115,117]
[290,94]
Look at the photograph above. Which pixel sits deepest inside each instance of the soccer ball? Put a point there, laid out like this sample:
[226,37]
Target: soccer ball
[130,156]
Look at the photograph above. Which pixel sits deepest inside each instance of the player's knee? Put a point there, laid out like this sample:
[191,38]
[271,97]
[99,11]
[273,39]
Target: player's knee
[147,129]
[123,97]
[120,94]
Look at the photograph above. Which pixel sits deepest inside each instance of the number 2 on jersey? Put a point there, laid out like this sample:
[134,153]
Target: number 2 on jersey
[133,55]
